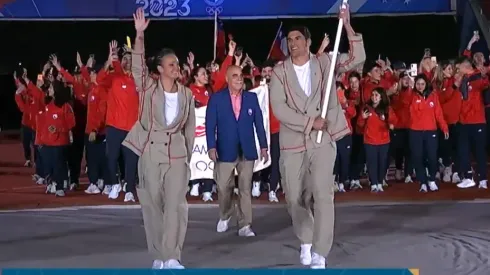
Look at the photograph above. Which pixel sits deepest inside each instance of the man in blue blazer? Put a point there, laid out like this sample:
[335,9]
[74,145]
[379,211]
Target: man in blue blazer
[230,119]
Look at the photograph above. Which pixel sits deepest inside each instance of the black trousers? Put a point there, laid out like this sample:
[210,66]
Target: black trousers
[28,135]
[400,151]
[472,138]
[114,150]
[358,156]
[74,156]
[272,174]
[376,160]
[96,159]
[342,161]
[423,149]
[54,161]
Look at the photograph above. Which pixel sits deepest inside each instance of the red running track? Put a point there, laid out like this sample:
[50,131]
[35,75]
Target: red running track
[17,191]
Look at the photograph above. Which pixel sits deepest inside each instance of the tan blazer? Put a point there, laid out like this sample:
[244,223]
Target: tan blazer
[296,111]
[150,134]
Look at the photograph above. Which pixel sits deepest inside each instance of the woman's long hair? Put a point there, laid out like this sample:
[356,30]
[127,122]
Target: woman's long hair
[439,74]
[193,75]
[428,89]
[61,94]
[383,105]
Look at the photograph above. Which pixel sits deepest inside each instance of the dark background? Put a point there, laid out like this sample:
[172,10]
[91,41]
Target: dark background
[399,38]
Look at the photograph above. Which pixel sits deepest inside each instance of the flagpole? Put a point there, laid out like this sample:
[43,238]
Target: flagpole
[215,33]
[274,41]
[331,73]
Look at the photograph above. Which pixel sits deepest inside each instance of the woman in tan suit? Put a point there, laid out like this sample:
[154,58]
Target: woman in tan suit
[163,138]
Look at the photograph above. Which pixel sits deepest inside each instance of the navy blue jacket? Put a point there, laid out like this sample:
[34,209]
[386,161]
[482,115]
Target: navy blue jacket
[226,134]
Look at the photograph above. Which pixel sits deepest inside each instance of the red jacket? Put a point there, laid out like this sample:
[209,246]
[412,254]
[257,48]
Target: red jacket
[426,113]
[450,100]
[200,93]
[376,128]
[122,98]
[80,91]
[96,109]
[62,118]
[218,79]
[473,109]
[368,85]
[30,102]
[350,112]
[400,103]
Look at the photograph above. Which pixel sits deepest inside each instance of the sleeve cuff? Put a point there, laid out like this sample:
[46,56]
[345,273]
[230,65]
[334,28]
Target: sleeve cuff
[356,37]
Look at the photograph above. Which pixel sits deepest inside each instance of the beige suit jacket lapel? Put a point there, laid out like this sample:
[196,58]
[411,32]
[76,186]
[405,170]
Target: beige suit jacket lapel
[293,84]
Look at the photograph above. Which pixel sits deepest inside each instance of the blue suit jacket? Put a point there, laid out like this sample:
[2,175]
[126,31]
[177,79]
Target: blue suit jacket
[225,133]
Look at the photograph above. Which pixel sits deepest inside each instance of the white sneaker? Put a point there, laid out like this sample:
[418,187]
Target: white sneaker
[40,181]
[59,193]
[399,175]
[172,264]
[129,197]
[423,188]
[92,189]
[114,194]
[341,188]
[51,188]
[194,190]
[35,177]
[73,186]
[273,197]
[408,179]
[305,254]
[235,190]
[207,197]
[483,184]
[100,184]
[317,261]
[433,186]
[222,225]
[466,183]
[107,189]
[27,163]
[157,264]
[246,231]
[374,188]
[355,184]
[380,188]
[456,178]
[335,186]
[448,171]
[256,189]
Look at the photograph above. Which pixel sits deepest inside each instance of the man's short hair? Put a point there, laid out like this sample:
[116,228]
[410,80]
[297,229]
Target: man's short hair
[462,60]
[302,29]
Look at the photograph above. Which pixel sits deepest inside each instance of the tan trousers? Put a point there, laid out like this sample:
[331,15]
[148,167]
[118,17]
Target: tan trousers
[162,193]
[224,174]
[308,182]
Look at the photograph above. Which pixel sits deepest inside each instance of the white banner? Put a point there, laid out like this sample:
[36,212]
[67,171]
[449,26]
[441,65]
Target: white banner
[201,165]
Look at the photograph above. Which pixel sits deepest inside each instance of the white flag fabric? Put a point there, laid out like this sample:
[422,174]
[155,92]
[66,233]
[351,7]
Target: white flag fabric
[201,165]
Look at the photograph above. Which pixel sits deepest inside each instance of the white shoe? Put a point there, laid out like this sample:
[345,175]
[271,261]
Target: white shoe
[305,254]
[273,197]
[129,197]
[483,184]
[172,264]
[317,261]
[73,186]
[423,188]
[51,188]
[399,175]
[92,189]
[341,188]
[107,189]
[408,179]
[59,193]
[114,194]
[433,186]
[194,190]
[222,225]
[374,188]
[355,184]
[335,186]
[157,264]
[380,188]
[235,190]
[256,189]
[466,183]
[456,178]
[27,163]
[207,197]
[40,181]
[100,184]
[246,231]
[448,171]
[35,177]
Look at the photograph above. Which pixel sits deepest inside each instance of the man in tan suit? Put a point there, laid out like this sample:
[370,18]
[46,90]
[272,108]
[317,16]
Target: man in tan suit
[163,138]
[231,116]
[297,91]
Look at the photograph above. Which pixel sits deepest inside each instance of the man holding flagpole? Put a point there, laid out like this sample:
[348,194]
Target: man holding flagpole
[297,88]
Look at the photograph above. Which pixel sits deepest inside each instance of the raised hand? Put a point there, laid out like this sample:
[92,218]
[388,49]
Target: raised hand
[55,61]
[112,51]
[90,61]
[79,60]
[344,13]
[140,22]
[190,59]
[231,48]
